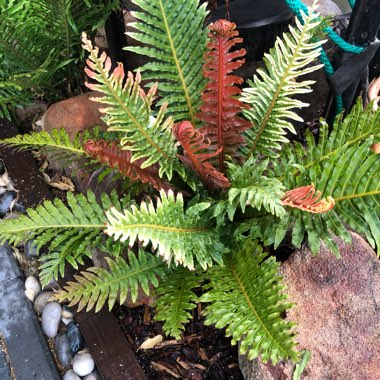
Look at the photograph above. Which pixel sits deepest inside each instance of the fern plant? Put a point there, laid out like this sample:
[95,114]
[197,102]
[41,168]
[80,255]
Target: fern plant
[208,149]
[40,47]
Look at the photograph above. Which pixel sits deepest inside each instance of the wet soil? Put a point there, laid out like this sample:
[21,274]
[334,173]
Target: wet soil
[202,353]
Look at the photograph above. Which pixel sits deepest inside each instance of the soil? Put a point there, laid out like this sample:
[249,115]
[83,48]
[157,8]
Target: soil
[202,353]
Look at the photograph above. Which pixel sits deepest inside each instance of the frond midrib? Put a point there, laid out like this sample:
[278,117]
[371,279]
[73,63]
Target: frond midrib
[276,94]
[117,280]
[27,145]
[162,228]
[332,153]
[53,226]
[357,195]
[180,73]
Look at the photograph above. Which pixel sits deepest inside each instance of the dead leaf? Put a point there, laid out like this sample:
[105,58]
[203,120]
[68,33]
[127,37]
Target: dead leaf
[151,342]
[65,184]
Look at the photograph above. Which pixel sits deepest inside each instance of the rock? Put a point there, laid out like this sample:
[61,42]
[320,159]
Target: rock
[70,375]
[62,349]
[30,249]
[7,200]
[93,376]
[51,316]
[75,114]
[32,287]
[83,363]
[336,311]
[41,301]
[31,113]
[325,7]
[74,336]
[33,284]
[67,316]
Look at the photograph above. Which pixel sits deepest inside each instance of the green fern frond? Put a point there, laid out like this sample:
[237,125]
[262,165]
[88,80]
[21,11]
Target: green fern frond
[271,93]
[250,187]
[129,112]
[58,142]
[247,298]
[172,33]
[176,234]
[40,46]
[69,229]
[11,96]
[176,299]
[97,285]
[341,165]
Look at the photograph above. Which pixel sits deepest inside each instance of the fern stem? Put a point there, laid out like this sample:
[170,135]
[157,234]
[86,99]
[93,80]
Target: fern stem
[180,72]
[358,195]
[68,53]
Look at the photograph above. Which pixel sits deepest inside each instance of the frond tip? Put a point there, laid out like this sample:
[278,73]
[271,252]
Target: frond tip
[196,155]
[306,198]
[176,300]
[220,109]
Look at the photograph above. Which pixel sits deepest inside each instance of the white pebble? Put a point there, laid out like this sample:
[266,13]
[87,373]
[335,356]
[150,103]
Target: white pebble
[93,376]
[33,284]
[70,375]
[83,363]
[67,316]
[30,294]
[51,317]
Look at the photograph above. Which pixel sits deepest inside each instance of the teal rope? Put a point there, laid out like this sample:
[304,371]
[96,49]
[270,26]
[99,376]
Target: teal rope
[297,6]
[352,3]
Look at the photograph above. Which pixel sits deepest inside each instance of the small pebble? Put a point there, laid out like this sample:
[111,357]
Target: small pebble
[70,375]
[74,336]
[93,376]
[51,316]
[30,249]
[83,363]
[62,349]
[33,284]
[67,316]
[7,200]
[41,301]
[30,294]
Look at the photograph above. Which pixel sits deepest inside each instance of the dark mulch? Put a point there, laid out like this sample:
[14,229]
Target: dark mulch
[202,353]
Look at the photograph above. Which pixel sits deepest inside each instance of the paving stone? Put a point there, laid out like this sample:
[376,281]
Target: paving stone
[27,350]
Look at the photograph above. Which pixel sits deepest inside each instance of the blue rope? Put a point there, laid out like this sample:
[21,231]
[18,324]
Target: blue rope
[297,6]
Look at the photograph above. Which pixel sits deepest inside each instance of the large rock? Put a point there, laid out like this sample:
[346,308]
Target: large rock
[75,114]
[337,314]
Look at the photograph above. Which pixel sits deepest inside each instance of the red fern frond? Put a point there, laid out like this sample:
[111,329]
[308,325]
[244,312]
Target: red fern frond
[307,199]
[197,156]
[220,108]
[110,153]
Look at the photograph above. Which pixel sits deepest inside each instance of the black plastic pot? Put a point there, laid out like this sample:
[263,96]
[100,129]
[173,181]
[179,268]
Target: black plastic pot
[259,22]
